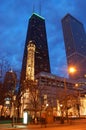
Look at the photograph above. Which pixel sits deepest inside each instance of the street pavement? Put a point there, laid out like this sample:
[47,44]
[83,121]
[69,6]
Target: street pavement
[79,124]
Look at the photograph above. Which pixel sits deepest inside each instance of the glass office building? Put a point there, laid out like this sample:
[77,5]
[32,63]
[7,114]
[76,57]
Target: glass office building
[75,45]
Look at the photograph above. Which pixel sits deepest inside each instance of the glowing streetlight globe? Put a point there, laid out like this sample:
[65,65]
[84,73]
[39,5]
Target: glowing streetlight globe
[72,70]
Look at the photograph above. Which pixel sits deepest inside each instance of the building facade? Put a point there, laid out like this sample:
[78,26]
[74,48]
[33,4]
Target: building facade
[8,93]
[30,61]
[53,91]
[75,45]
[58,91]
[10,81]
[36,33]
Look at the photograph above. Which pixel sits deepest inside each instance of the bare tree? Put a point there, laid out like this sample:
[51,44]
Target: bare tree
[4,66]
[35,99]
[68,100]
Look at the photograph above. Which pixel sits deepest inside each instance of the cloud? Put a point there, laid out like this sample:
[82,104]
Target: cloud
[14,16]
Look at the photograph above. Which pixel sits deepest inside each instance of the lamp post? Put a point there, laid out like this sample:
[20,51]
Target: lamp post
[13,107]
[62,117]
[78,101]
[70,70]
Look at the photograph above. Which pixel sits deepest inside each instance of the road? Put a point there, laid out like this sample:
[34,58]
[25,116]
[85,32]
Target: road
[76,125]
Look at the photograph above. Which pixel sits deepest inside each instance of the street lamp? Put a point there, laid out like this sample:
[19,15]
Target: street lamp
[47,105]
[62,117]
[71,70]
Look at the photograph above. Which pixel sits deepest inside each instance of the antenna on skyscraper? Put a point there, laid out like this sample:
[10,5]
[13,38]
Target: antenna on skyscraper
[40,8]
[33,9]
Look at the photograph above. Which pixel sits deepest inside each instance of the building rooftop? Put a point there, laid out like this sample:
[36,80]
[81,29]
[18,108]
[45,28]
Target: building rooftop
[35,14]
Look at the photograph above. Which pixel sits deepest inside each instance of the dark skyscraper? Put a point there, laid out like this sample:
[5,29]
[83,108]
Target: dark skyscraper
[75,45]
[36,33]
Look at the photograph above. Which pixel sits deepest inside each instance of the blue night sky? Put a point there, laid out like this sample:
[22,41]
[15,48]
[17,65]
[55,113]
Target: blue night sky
[14,16]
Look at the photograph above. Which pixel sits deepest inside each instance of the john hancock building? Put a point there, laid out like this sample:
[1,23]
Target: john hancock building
[36,34]
[75,44]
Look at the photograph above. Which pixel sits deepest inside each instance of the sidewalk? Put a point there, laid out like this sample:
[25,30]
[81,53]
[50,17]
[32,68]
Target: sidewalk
[58,124]
[37,126]
[29,126]
[8,126]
